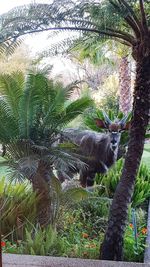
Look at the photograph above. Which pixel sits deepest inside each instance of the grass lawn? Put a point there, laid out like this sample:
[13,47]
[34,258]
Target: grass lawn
[3,170]
[146,155]
[147,147]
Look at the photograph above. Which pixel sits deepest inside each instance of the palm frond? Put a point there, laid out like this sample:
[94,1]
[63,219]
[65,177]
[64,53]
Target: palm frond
[104,19]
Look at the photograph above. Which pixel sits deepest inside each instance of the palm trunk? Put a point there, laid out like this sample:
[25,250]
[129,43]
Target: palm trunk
[112,247]
[125,99]
[41,185]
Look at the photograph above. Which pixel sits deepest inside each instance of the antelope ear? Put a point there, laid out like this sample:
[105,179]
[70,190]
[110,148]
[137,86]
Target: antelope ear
[100,123]
[126,126]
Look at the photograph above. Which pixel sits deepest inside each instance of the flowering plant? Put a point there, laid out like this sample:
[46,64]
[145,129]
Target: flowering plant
[134,242]
[11,247]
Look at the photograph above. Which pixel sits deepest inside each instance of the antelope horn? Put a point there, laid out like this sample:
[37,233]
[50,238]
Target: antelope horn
[124,119]
[106,118]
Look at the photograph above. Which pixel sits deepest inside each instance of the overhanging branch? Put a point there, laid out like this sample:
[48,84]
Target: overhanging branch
[110,33]
[143,18]
[129,19]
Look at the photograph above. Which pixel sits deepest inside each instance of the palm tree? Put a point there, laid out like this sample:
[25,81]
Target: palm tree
[125,98]
[33,111]
[107,22]
[96,51]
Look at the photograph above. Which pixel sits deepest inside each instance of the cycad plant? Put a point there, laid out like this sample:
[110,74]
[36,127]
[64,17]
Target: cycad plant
[33,110]
[124,22]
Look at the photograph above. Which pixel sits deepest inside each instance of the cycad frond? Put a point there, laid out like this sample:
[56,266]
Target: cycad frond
[11,87]
[8,123]
[63,157]
[30,103]
[76,108]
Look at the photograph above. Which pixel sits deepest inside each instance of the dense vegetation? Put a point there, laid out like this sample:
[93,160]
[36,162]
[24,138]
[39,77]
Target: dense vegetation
[33,111]
[80,221]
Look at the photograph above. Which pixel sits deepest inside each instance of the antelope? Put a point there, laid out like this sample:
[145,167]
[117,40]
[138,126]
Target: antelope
[98,150]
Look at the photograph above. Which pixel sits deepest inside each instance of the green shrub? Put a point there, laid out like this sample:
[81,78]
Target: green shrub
[82,227]
[80,238]
[108,183]
[39,241]
[18,204]
[95,211]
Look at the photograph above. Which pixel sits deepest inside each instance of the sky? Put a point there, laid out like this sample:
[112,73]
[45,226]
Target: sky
[6,5]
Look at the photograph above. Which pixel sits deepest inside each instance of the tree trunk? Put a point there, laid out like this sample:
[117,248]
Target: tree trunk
[125,99]
[41,185]
[112,247]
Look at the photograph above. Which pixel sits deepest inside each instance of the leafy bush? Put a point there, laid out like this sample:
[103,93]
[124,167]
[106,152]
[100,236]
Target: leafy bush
[40,241]
[109,183]
[82,227]
[79,233]
[95,212]
[18,204]
[81,239]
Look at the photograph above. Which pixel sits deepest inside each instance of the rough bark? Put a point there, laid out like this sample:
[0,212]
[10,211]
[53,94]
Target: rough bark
[41,185]
[112,247]
[125,98]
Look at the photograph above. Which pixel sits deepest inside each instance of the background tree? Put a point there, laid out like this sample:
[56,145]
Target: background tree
[108,16]
[33,110]
[99,52]
[19,60]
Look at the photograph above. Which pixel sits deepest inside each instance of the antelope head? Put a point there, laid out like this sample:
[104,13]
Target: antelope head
[115,128]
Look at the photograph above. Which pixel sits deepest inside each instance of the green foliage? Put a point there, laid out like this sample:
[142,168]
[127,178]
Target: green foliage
[99,113]
[111,102]
[95,210]
[79,231]
[40,241]
[109,183]
[63,199]
[12,247]
[106,19]
[33,111]
[83,227]
[18,204]
[135,236]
